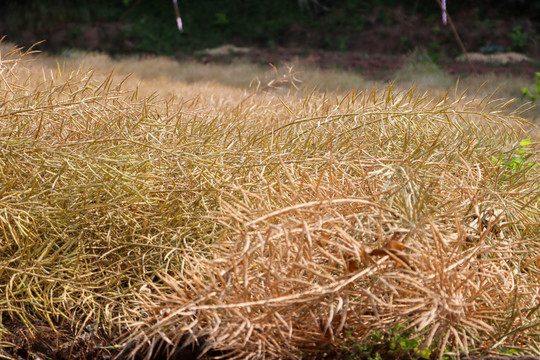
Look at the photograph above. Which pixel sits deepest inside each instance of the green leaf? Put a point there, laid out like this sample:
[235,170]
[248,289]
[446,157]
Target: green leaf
[426,353]
[525,142]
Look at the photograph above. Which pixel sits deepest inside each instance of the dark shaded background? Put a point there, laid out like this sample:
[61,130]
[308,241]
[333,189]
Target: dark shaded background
[371,26]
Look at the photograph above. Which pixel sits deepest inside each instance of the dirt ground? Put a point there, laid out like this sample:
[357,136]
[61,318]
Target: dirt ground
[371,66]
[45,343]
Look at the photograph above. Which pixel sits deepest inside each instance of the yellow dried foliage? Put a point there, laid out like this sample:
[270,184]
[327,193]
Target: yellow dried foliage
[263,223]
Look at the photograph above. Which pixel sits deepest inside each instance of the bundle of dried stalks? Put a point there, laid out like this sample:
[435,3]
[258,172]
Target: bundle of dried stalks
[265,227]
[376,211]
[94,198]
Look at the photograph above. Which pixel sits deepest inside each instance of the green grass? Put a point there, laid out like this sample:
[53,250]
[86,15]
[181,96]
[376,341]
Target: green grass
[264,221]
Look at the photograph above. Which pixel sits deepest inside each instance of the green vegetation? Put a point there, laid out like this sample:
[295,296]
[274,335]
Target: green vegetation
[399,342]
[519,38]
[518,159]
[534,94]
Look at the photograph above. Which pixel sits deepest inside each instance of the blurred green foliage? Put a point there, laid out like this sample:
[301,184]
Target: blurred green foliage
[519,38]
[533,94]
[518,159]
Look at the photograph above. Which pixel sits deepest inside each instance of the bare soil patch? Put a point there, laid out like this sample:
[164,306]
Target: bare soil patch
[372,66]
[43,342]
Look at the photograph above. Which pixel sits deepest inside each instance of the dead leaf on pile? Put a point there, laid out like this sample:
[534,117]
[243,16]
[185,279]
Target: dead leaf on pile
[393,248]
[489,218]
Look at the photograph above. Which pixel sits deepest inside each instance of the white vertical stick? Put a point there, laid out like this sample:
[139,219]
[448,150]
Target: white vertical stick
[178,18]
[179,22]
[444,15]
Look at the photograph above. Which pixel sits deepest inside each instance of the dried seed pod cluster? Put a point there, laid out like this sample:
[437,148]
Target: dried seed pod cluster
[263,225]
